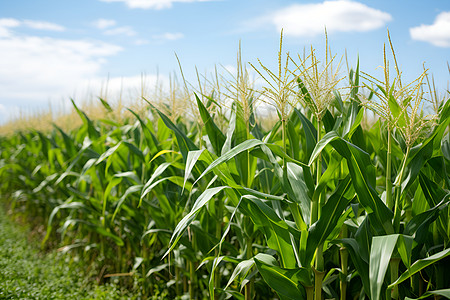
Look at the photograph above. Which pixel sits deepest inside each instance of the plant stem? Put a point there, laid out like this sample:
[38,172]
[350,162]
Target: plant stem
[318,279]
[283,136]
[309,292]
[315,202]
[192,271]
[218,236]
[191,280]
[319,158]
[343,252]
[398,194]
[249,285]
[315,215]
[389,201]
[177,281]
[395,262]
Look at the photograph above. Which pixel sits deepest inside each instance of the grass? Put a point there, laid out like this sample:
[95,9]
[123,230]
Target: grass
[28,273]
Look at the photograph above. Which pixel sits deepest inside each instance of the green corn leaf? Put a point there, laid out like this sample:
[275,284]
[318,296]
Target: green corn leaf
[358,163]
[148,134]
[278,150]
[89,125]
[191,159]
[404,248]
[380,255]
[246,145]
[419,158]
[286,282]
[149,184]
[216,262]
[326,139]
[419,265]
[329,121]
[434,196]
[445,146]
[300,190]
[418,226]
[293,138]
[361,265]
[216,136]
[94,227]
[129,191]
[201,201]
[353,121]
[310,133]
[230,131]
[339,104]
[105,104]
[242,269]
[444,293]
[135,150]
[108,153]
[129,175]
[328,176]
[184,142]
[69,205]
[397,112]
[331,212]
[277,231]
[114,181]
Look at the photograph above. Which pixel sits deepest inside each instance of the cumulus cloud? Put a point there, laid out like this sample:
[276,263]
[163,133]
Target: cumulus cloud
[152,4]
[42,25]
[340,15]
[140,42]
[8,24]
[104,23]
[35,68]
[109,27]
[123,30]
[438,33]
[169,36]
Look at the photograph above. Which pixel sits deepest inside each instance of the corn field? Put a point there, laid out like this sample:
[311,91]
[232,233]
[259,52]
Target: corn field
[345,197]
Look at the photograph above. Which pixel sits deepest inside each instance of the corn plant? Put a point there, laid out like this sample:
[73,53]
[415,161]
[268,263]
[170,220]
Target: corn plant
[208,202]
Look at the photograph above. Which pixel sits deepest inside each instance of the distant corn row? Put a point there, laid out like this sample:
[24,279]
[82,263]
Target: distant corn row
[321,205]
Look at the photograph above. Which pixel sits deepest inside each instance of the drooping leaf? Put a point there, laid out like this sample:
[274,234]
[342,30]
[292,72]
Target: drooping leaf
[201,201]
[419,265]
[285,282]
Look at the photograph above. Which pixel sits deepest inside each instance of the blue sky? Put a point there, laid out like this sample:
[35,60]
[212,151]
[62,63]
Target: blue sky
[53,50]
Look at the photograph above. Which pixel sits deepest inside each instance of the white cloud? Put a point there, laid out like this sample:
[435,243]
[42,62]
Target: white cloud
[141,42]
[123,30]
[42,25]
[169,36]
[340,15]
[36,68]
[152,4]
[437,33]
[104,23]
[109,27]
[7,24]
